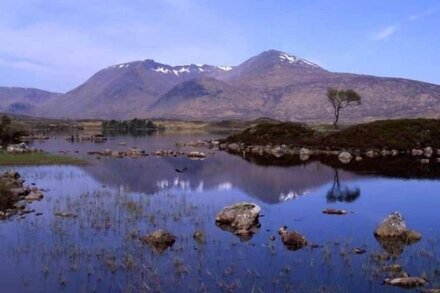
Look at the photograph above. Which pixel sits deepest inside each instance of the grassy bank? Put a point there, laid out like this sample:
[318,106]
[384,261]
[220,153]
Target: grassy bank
[38,159]
[402,134]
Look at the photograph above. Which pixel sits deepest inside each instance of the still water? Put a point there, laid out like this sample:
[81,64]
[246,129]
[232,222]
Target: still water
[119,200]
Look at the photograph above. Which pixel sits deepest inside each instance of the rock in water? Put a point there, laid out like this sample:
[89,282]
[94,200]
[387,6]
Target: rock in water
[292,240]
[196,155]
[240,218]
[406,282]
[392,227]
[393,234]
[34,195]
[334,212]
[160,240]
[199,236]
[345,157]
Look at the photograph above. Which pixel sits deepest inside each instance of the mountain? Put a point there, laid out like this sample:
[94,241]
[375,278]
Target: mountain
[127,90]
[27,101]
[272,84]
[278,85]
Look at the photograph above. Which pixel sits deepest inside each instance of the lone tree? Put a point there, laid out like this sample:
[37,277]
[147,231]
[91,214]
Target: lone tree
[341,99]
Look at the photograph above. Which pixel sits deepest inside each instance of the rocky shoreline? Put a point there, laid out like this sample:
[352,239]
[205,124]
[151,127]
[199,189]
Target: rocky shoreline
[424,155]
[14,195]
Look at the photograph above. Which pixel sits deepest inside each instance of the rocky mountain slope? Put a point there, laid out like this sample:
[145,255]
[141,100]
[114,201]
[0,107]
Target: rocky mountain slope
[272,84]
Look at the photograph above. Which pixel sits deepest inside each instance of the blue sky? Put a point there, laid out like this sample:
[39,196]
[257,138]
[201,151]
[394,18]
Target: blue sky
[58,44]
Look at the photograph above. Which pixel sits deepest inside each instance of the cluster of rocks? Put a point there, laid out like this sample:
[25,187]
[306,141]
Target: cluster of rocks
[199,144]
[304,154]
[14,195]
[85,138]
[21,148]
[32,137]
[134,152]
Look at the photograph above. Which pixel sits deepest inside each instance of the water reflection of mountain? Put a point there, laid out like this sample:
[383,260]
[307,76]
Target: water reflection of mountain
[221,171]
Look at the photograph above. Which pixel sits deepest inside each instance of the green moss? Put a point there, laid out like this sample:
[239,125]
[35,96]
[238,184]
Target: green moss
[38,159]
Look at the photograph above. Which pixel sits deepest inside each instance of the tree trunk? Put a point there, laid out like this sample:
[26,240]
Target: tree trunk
[335,122]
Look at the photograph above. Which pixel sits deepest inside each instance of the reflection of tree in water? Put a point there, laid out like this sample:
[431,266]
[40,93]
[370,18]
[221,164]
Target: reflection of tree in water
[340,192]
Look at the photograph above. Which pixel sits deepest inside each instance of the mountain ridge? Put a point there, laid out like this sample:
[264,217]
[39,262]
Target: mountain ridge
[272,84]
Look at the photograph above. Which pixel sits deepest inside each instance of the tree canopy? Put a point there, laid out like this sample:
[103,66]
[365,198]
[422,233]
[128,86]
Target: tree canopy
[341,99]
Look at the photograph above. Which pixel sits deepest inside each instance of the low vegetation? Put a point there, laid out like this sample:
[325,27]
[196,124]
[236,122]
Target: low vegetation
[402,134]
[399,134]
[9,131]
[37,159]
[129,125]
[275,133]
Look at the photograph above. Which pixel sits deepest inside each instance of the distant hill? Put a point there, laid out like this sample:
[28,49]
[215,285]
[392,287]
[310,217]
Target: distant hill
[26,101]
[272,84]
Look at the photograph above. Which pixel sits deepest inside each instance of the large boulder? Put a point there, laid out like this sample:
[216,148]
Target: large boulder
[159,240]
[240,218]
[393,234]
[392,226]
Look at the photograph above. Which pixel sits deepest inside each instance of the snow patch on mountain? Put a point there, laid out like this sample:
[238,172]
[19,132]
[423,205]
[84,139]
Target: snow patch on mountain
[288,58]
[225,68]
[293,59]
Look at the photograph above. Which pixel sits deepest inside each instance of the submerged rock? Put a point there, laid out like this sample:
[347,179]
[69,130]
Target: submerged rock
[160,240]
[359,250]
[334,212]
[199,236]
[292,240]
[240,218]
[65,215]
[406,282]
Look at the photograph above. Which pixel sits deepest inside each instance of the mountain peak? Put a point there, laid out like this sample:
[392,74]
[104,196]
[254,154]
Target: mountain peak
[283,57]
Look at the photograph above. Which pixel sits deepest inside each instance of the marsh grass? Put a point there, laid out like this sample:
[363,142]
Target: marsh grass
[38,159]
